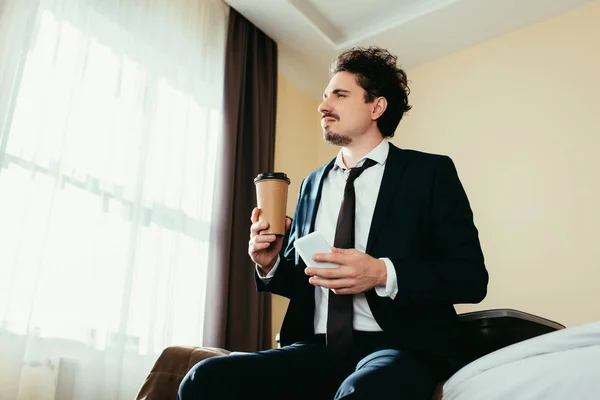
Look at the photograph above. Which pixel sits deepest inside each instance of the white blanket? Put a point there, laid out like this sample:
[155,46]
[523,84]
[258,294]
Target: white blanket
[561,365]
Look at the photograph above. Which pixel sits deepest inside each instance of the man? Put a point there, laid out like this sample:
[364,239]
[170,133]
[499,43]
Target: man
[382,324]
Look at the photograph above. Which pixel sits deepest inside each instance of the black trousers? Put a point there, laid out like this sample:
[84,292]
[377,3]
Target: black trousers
[373,369]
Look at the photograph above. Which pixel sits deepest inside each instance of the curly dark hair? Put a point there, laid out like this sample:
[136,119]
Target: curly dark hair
[379,76]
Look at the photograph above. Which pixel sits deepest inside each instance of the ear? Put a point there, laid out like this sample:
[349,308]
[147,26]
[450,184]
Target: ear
[379,107]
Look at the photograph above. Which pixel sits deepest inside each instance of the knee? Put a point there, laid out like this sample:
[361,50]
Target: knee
[370,378]
[203,379]
[353,388]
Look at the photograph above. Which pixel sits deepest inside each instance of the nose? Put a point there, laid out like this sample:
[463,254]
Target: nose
[324,107]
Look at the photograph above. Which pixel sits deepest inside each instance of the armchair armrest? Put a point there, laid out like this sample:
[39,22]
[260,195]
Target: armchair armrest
[169,369]
[486,331]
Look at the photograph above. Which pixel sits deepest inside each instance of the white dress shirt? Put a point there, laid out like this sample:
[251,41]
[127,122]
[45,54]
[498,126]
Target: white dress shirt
[367,189]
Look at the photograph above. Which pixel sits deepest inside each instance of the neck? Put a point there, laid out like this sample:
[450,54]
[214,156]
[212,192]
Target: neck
[359,148]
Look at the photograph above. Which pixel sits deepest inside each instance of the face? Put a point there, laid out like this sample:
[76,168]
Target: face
[345,114]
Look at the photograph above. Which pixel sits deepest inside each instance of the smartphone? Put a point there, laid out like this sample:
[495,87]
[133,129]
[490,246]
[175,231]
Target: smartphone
[309,245]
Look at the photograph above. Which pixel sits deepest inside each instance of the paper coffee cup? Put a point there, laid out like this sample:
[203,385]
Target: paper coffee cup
[271,198]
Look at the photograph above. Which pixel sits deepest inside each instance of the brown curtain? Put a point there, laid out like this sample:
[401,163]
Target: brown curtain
[237,317]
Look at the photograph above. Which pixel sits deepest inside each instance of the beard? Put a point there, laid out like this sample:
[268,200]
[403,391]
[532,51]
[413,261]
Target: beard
[336,139]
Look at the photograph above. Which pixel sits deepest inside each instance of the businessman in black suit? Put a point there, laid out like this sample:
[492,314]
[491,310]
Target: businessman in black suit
[382,324]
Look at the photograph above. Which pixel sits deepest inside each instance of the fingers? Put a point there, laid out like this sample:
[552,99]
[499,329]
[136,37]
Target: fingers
[264,239]
[254,216]
[342,251]
[337,285]
[260,242]
[257,227]
[336,258]
[288,223]
[328,273]
[255,247]
[340,256]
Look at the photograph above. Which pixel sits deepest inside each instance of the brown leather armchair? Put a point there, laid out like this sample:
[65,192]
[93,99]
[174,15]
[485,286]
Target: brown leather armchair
[482,332]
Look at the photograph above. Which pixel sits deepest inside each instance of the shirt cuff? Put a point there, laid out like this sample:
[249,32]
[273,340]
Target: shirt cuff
[391,285]
[271,274]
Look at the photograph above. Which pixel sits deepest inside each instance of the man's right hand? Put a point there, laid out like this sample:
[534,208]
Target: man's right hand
[263,249]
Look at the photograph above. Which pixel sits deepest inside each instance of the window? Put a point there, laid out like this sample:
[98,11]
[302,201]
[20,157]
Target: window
[107,177]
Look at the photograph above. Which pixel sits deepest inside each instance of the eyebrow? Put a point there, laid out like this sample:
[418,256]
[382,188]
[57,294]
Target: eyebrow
[336,91]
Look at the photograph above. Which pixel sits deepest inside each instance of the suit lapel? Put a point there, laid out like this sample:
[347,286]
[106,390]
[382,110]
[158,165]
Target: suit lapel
[314,186]
[314,199]
[394,166]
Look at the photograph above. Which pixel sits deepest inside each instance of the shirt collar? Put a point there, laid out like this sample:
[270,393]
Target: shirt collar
[378,154]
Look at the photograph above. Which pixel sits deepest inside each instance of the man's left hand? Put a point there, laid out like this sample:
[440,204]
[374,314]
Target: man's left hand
[357,272]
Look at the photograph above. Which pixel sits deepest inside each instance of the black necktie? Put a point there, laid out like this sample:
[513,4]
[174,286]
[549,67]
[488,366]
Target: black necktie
[339,307]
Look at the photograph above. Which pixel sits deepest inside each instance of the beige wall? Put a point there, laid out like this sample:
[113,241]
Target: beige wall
[520,116]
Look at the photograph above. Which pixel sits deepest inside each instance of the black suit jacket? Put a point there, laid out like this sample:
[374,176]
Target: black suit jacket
[424,224]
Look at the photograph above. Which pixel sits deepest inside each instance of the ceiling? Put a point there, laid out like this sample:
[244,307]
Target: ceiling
[310,33]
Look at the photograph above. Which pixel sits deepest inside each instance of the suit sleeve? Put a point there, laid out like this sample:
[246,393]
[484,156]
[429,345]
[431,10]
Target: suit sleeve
[456,272]
[282,283]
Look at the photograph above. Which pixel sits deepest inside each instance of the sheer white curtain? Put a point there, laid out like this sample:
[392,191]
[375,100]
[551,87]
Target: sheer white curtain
[110,117]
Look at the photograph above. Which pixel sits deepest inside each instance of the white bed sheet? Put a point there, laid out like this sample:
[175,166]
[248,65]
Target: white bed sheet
[561,365]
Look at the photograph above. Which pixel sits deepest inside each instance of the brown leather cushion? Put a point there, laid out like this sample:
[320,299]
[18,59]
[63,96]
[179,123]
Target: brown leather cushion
[437,394]
[169,369]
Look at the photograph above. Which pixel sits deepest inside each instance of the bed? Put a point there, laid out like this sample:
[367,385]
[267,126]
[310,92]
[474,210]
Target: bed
[560,365]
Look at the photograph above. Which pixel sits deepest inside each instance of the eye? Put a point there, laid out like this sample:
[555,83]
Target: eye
[341,95]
